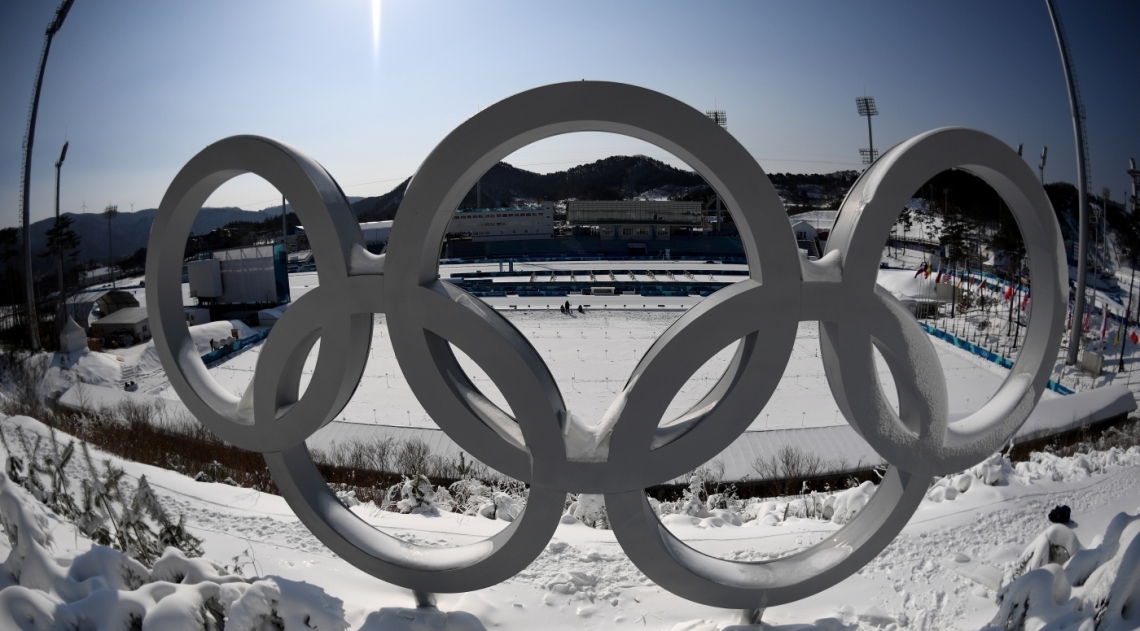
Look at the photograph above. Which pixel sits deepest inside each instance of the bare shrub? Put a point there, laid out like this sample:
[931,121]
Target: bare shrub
[788,471]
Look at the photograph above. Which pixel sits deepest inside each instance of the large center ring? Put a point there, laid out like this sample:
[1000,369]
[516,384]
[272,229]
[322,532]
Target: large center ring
[426,317]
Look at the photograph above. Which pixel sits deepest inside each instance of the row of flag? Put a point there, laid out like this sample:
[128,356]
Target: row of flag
[966,278]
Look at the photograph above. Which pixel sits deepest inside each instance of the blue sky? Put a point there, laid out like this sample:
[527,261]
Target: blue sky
[140,87]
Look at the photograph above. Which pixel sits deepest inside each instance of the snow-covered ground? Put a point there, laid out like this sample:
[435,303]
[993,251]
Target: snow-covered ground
[959,552]
[591,355]
[583,580]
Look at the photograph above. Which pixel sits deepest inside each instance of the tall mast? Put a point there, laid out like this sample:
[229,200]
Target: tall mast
[1078,113]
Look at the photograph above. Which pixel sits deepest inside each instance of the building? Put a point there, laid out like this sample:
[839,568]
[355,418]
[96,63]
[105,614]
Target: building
[99,275]
[132,320]
[804,231]
[498,224]
[634,219]
[589,212]
[250,276]
[87,306]
[376,235]
[196,316]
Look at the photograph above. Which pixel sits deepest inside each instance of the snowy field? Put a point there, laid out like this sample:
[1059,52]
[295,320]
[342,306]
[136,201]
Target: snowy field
[963,551]
[583,580]
[591,355]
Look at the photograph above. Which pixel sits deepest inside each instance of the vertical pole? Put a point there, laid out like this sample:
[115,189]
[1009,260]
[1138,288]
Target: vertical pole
[59,244]
[1127,314]
[870,138]
[29,140]
[284,222]
[1082,181]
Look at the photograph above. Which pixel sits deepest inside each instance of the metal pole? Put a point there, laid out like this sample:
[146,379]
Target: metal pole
[870,138]
[29,140]
[1082,183]
[1127,313]
[59,244]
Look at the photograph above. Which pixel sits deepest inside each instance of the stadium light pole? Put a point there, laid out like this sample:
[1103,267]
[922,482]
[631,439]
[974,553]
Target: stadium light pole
[720,117]
[29,140]
[866,107]
[1078,114]
[1134,174]
[1041,167]
[110,213]
[59,271]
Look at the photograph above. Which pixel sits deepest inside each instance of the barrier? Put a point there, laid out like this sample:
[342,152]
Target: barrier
[985,354]
[234,347]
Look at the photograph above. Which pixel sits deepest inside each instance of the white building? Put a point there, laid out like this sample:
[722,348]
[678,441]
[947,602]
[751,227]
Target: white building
[376,234]
[249,275]
[804,231]
[130,319]
[498,224]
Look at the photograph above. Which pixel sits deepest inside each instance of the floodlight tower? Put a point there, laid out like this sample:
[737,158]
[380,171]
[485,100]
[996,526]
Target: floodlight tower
[1133,173]
[29,140]
[720,118]
[1077,110]
[58,166]
[1041,167]
[866,107]
[110,212]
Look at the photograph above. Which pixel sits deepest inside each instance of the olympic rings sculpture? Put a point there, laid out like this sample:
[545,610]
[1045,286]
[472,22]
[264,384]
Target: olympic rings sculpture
[426,315]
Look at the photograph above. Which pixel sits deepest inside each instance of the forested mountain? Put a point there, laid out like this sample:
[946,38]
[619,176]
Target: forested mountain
[131,230]
[617,177]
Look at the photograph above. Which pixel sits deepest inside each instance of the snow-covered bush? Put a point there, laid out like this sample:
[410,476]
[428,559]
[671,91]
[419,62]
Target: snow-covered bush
[1056,545]
[842,507]
[106,589]
[98,504]
[468,496]
[417,496]
[993,471]
[1059,583]
[590,510]
[503,506]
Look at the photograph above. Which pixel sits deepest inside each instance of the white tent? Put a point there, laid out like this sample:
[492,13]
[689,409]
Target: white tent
[269,317]
[73,338]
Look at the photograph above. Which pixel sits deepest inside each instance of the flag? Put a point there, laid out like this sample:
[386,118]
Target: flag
[927,270]
[918,273]
[1135,338]
[1009,293]
[938,279]
[1025,301]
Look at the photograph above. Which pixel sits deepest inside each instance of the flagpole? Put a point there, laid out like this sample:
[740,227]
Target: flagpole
[1127,312]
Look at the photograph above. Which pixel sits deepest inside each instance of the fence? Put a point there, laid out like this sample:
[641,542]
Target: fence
[985,354]
[234,347]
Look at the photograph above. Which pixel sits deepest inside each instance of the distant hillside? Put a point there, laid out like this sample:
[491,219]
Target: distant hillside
[131,230]
[617,177]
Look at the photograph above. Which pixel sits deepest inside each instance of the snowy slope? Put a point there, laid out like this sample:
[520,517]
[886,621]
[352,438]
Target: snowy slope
[584,581]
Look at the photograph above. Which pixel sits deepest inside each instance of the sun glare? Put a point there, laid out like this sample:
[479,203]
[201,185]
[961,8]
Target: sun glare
[376,33]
